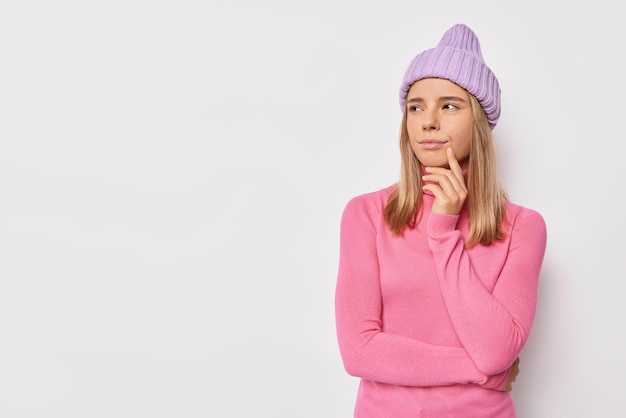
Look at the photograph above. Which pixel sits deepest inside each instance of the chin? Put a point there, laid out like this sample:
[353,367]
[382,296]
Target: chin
[434,163]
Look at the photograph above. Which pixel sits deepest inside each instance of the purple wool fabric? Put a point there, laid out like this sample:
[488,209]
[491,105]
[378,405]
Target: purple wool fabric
[457,58]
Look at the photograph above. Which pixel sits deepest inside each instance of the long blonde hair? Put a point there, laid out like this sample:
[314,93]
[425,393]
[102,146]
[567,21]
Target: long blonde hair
[486,199]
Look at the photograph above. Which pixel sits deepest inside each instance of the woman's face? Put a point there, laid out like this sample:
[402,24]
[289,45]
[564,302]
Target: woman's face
[439,116]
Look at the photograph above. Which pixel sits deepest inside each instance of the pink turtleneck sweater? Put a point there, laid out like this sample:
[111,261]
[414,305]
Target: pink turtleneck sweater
[431,327]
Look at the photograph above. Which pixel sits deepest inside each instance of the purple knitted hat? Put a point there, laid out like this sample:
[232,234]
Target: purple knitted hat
[457,58]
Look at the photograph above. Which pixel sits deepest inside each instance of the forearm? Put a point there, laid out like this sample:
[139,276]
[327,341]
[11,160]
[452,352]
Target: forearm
[493,325]
[367,350]
[370,353]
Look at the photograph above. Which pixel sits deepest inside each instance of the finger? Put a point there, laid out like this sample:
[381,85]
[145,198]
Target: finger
[435,189]
[455,167]
[441,195]
[447,181]
[455,179]
[444,181]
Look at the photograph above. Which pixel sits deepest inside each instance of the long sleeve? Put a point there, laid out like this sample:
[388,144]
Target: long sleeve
[369,352]
[492,323]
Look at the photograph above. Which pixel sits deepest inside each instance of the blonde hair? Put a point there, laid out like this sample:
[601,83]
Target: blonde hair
[486,199]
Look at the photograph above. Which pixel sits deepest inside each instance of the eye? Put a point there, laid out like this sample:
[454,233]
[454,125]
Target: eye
[450,106]
[414,108]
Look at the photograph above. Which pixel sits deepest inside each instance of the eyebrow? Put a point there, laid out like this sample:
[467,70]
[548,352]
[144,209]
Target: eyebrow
[441,99]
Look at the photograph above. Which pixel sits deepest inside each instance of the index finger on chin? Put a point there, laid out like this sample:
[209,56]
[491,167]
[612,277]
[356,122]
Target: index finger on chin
[455,167]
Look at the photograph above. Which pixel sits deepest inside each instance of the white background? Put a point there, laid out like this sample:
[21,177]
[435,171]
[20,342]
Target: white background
[172,174]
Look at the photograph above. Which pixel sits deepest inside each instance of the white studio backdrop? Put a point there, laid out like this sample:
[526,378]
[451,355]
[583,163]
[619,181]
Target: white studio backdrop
[172,175]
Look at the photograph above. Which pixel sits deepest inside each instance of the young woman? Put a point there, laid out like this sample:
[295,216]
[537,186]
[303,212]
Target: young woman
[438,274]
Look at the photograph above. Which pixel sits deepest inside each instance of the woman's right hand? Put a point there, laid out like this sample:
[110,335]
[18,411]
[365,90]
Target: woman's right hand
[514,372]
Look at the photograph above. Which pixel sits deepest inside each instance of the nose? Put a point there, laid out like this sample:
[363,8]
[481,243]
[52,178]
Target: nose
[430,121]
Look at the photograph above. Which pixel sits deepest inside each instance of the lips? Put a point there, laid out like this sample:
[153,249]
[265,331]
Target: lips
[431,144]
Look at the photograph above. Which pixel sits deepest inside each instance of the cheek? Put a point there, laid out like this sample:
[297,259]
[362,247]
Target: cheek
[462,150]
[414,148]
[410,135]
[413,143]
[410,127]
[463,142]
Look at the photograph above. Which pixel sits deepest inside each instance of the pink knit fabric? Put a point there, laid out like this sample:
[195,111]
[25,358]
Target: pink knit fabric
[431,327]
